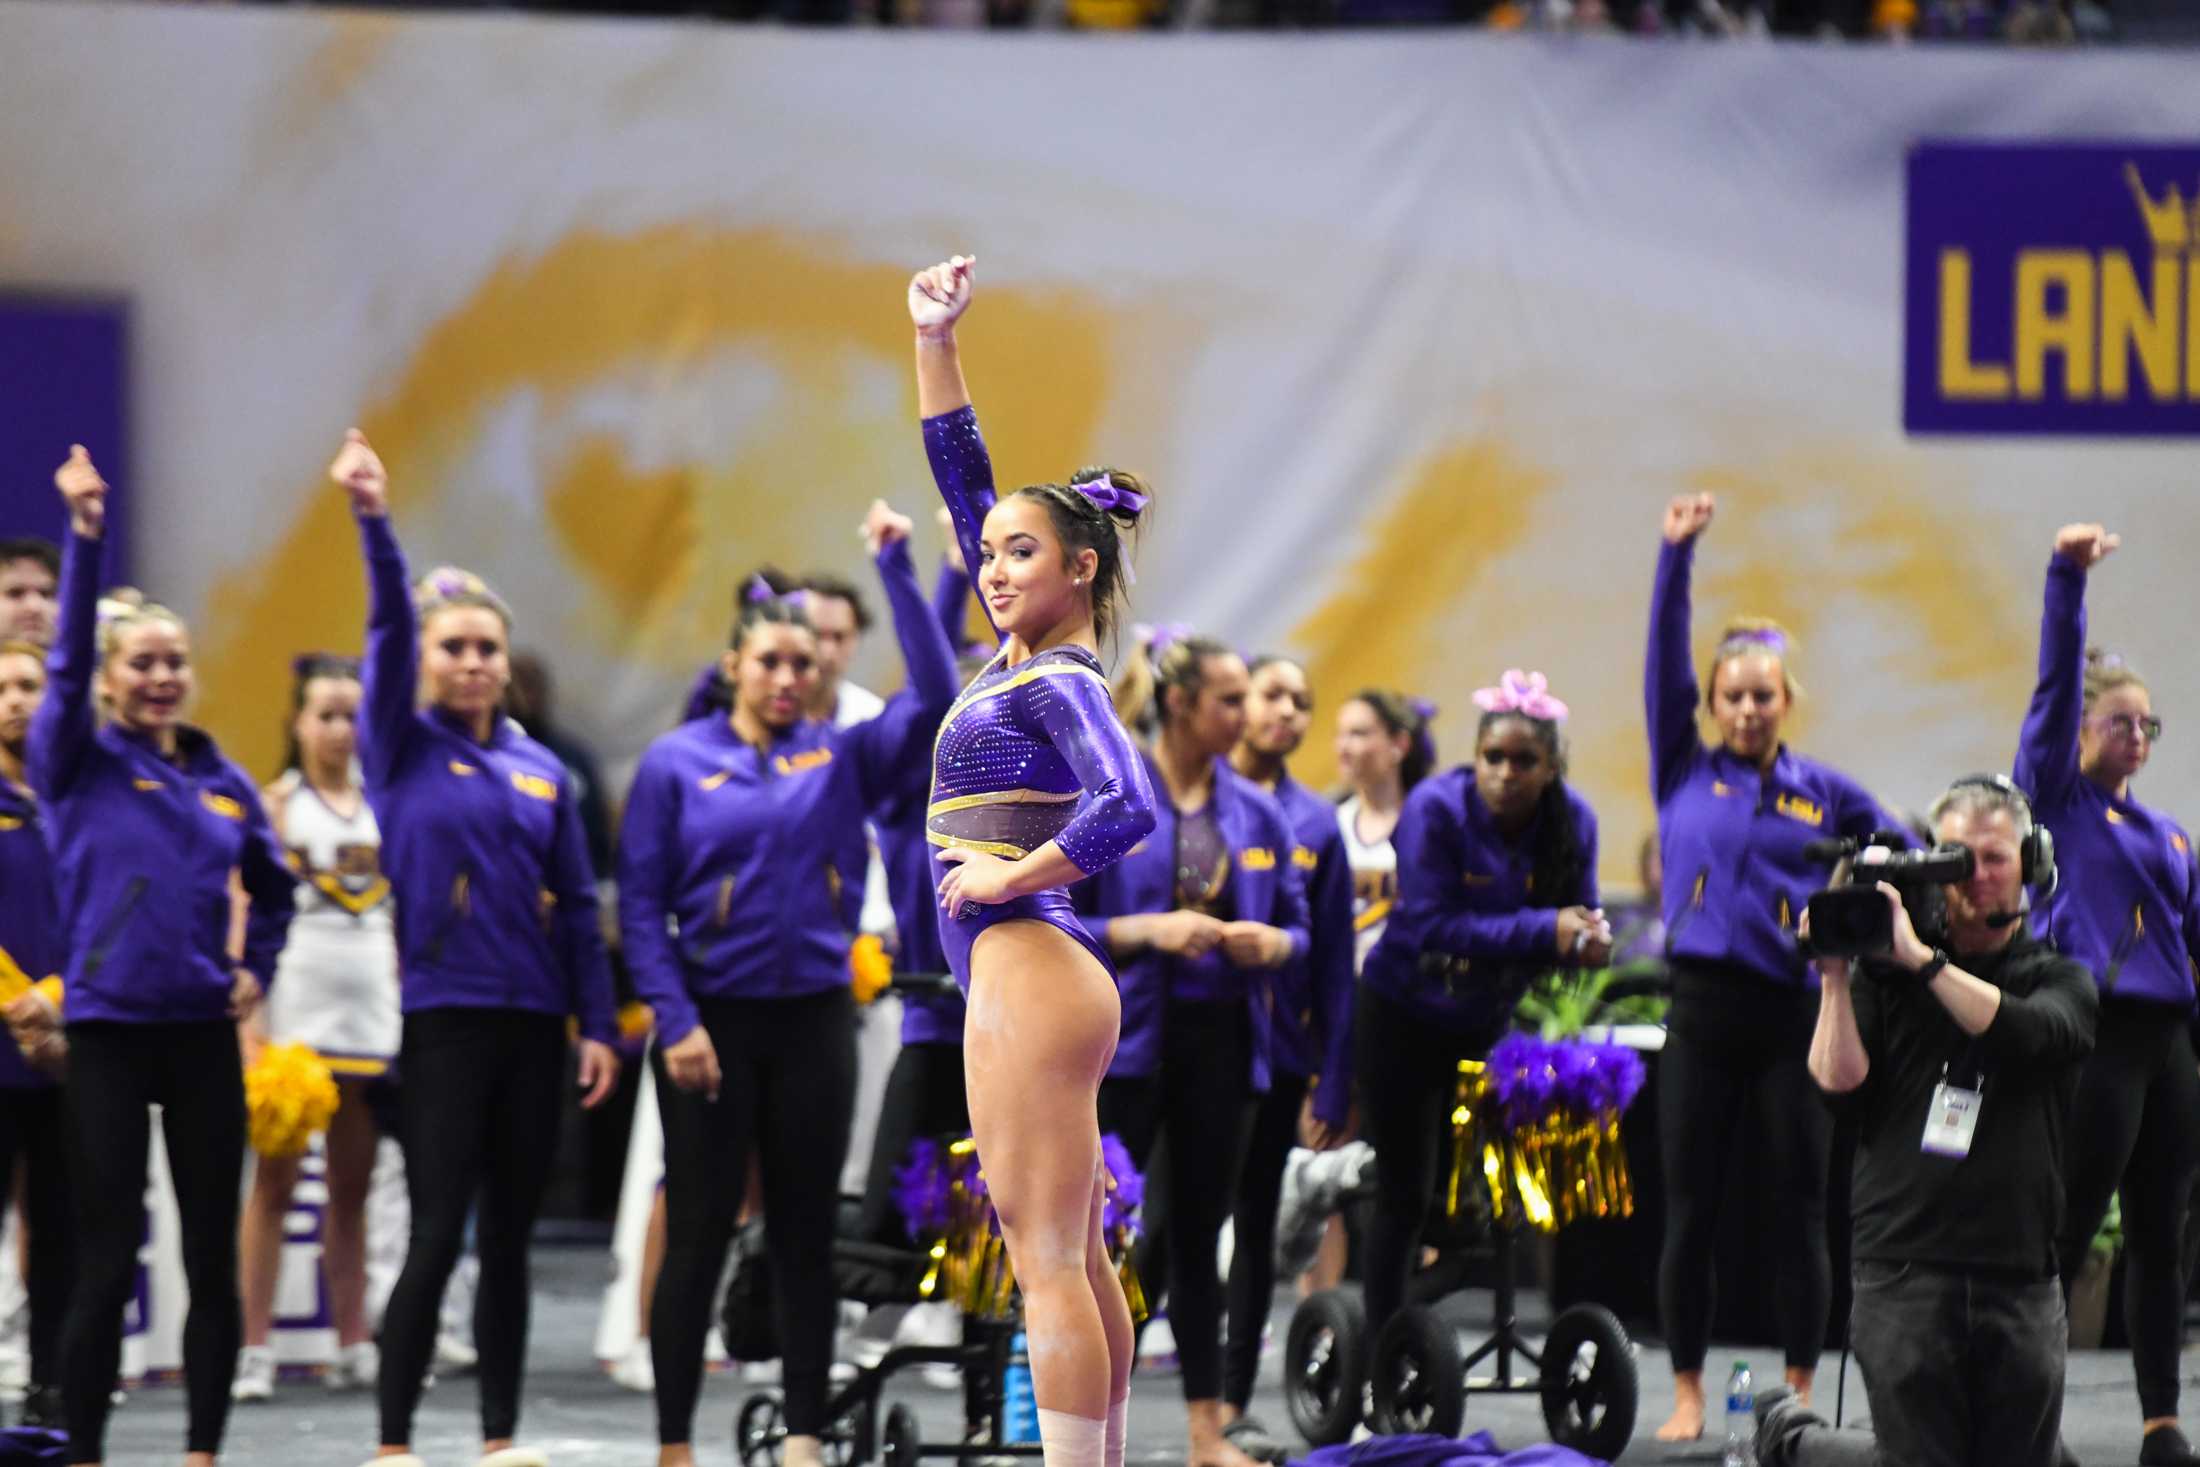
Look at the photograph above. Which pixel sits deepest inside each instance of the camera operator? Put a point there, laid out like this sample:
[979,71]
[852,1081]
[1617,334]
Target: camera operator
[1960,1055]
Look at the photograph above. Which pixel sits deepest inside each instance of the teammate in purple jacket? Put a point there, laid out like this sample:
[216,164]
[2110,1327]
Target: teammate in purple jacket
[1497,884]
[730,906]
[1204,916]
[147,822]
[1310,1038]
[924,1094]
[498,946]
[2128,908]
[31,1117]
[1036,785]
[1735,818]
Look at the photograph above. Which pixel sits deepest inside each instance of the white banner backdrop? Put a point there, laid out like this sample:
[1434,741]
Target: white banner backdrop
[1415,335]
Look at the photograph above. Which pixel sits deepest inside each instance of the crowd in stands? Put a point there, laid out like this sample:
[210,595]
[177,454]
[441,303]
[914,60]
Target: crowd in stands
[1993,22]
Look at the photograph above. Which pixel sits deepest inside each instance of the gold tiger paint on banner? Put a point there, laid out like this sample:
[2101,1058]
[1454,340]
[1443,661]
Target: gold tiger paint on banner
[653,549]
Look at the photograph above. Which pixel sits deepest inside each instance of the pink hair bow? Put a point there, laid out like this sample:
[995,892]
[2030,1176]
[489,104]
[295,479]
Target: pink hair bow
[1526,693]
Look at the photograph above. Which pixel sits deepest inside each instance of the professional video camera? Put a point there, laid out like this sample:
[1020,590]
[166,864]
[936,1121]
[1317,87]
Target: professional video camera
[1853,920]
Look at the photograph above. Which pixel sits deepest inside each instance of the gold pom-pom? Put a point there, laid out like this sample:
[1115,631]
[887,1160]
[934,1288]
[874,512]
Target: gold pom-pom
[14,982]
[870,967]
[636,1019]
[289,1097]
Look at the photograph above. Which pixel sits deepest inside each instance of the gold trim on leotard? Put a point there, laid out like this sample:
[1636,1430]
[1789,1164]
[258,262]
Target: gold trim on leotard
[1002,797]
[999,848]
[1014,681]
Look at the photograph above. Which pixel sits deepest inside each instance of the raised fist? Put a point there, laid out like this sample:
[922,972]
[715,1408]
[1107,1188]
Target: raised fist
[883,526]
[360,471]
[2085,546]
[939,296]
[1687,516]
[85,491]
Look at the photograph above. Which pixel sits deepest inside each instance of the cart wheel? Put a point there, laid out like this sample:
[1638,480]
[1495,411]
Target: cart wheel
[1420,1377]
[1325,1366]
[760,1430]
[1589,1387]
[903,1440]
[852,1438]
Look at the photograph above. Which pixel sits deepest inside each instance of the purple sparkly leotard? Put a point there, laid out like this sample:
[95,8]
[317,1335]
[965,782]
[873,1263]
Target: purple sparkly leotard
[1029,753]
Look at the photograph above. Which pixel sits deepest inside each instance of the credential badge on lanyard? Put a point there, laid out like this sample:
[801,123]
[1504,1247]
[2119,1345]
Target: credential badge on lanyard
[1953,1118]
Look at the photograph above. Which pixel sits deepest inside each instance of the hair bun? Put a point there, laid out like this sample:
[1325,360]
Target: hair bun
[1121,495]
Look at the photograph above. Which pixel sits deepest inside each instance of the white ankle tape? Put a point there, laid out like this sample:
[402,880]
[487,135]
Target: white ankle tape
[1072,1441]
[1119,1411]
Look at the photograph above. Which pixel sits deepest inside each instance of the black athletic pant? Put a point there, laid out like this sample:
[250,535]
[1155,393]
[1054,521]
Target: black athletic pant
[192,1072]
[1252,1286]
[32,1127]
[1192,1118]
[1408,1069]
[2132,1127]
[480,1099]
[1130,1111]
[1738,1043]
[788,1097]
[925,1097]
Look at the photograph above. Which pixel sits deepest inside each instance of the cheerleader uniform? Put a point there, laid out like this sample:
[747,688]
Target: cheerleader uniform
[336,987]
[1374,882]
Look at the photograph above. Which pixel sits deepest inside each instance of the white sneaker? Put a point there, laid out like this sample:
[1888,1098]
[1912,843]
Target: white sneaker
[934,1324]
[402,1459]
[515,1457]
[355,1368]
[1157,1347]
[1314,1183]
[634,1370]
[848,1343]
[255,1380]
[454,1354]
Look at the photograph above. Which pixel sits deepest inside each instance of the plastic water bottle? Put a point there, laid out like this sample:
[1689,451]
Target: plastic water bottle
[1020,1416]
[1741,1418]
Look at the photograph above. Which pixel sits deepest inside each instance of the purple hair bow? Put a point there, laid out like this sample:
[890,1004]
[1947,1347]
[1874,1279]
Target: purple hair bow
[1764,637]
[1423,709]
[1526,693]
[760,591]
[1111,496]
[1160,636]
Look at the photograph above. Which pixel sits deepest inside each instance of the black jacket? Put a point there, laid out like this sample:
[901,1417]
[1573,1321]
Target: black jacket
[1999,1207]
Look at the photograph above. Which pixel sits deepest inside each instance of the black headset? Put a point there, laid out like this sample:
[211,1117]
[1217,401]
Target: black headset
[2036,848]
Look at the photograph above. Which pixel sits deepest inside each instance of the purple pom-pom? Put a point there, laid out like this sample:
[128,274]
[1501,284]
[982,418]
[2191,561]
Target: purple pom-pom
[921,1190]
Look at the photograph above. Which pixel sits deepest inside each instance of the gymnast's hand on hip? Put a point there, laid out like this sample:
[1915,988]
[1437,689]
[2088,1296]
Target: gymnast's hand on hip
[974,879]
